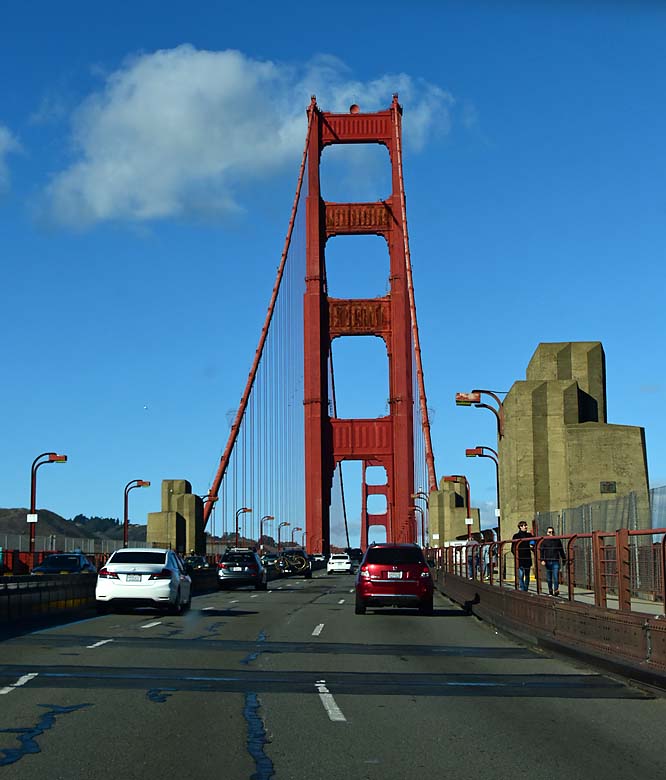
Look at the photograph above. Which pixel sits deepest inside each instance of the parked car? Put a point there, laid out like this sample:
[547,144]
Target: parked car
[241,567]
[65,563]
[294,560]
[144,577]
[394,575]
[339,562]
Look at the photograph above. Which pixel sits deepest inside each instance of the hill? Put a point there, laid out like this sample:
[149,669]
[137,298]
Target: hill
[13,522]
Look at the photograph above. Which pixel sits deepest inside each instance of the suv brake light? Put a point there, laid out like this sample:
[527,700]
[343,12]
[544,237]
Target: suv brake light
[364,572]
[106,574]
[425,572]
[165,574]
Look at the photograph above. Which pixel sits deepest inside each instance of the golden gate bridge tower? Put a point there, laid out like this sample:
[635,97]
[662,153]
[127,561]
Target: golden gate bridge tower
[398,442]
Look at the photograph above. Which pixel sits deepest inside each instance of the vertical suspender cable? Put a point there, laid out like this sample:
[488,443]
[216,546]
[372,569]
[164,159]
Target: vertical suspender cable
[233,435]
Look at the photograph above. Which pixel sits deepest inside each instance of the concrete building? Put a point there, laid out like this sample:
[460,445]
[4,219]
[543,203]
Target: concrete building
[447,512]
[558,450]
[179,525]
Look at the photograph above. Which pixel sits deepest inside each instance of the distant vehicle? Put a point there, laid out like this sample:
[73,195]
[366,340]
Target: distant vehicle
[339,562]
[65,563]
[268,559]
[241,567]
[394,575]
[320,557]
[294,560]
[195,562]
[355,553]
[144,577]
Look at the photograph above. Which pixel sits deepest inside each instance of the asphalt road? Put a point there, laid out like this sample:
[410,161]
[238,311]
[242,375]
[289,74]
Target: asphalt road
[289,683]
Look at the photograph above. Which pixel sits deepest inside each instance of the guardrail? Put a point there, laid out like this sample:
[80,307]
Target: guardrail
[622,570]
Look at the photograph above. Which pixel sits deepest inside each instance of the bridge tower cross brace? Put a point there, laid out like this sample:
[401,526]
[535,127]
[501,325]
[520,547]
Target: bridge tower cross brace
[387,441]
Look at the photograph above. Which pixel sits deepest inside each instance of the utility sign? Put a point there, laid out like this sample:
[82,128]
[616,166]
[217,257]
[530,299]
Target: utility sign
[32,517]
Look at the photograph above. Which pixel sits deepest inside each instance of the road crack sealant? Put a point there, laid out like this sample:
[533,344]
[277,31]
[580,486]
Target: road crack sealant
[27,737]
[256,731]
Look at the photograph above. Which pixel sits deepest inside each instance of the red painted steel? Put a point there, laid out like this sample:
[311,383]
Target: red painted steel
[389,440]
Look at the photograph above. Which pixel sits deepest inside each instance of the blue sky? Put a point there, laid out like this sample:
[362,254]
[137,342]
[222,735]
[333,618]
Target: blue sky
[139,143]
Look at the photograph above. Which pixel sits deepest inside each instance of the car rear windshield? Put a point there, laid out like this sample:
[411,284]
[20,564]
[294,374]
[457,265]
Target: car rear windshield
[394,555]
[238,557]
[138,557]
[339,557]
[62,562]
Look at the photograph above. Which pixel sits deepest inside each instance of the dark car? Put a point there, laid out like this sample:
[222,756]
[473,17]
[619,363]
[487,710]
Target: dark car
[241,567]
[196,562]
[294,560]
[65,563]
[394,575]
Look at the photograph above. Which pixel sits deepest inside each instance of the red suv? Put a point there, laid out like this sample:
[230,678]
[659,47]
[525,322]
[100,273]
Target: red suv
[394,575]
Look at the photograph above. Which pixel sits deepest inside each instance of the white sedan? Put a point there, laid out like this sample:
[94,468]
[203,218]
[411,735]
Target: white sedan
[144,577]
[339,562]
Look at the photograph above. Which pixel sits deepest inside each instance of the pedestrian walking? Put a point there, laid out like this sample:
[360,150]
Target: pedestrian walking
[552,555]
[522,552]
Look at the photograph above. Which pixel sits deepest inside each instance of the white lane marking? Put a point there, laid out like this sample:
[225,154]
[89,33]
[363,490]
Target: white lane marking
[342,601]
[234,601]
[205,609]
[150,625]
[332,710]
[100,643]
[21,681]
[253,596]
[318,629]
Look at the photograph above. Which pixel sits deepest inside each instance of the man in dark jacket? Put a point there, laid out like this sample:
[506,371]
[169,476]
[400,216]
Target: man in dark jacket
[522,552]
[552,554]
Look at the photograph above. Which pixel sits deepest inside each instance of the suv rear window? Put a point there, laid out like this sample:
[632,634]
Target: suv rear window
[238,557]
[394,555]
[138,557]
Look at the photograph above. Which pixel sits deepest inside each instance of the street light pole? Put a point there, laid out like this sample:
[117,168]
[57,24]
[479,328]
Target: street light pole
[419,509]
[460,478]
[133,483]
[479,451]
[281,525]
[51,457]
[241,511]
[265,518]
[293,531]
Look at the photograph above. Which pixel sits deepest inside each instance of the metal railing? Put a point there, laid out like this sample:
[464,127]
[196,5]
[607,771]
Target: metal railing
[621,569]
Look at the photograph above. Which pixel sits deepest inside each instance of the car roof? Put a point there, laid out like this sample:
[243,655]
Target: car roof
[144,549]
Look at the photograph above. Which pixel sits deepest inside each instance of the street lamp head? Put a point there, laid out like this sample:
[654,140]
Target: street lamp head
[467,399]
[245,509]
[473,452]
[55,458]
[142,483]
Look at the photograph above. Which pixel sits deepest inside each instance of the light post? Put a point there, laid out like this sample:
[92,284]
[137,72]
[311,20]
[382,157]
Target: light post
[241,511]
[293,531]
[51,457]
[303,539]
[479,452]
[419,509]
[281,525]
[133,483]
[423,496]
[264,519]
[474,398]
[460,478]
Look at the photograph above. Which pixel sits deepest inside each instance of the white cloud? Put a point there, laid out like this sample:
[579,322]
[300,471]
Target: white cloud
[7,144]
[175,131]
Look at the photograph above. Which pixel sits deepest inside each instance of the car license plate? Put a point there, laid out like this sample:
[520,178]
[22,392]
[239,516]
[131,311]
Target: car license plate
[133,578]
[236,568]
[394,575]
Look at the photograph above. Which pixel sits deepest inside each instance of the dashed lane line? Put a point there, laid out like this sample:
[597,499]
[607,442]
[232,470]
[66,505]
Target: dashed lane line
[332,710]
[152,625]
[318,629]
[100,643]
[21,681]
